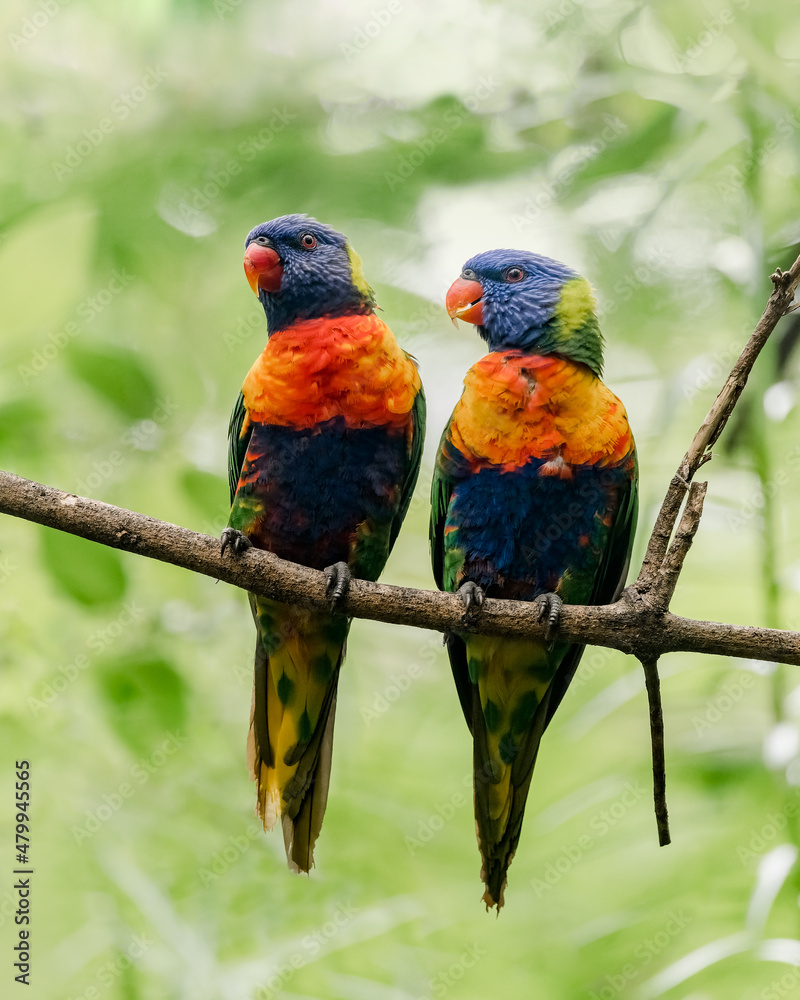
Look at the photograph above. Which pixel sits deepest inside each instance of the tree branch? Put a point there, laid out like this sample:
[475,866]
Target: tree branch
[629,625]
[663,561]
[779,303]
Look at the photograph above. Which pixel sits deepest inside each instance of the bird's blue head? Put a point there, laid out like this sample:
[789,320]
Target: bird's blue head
[302,269]
[522,301]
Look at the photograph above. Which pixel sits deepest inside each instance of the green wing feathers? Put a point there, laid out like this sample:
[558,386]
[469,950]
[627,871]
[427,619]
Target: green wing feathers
[418,418]
[239,432]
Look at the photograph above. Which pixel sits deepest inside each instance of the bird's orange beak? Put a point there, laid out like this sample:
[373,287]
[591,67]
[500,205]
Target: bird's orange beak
[465,301]
[263,267]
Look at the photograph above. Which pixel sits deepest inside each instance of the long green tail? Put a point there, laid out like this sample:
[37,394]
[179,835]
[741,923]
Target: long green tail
[510,680]
[290,743]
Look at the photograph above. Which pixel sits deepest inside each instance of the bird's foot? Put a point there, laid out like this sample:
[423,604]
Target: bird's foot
[472,597]
[338,577]
[550,606]
[235,540]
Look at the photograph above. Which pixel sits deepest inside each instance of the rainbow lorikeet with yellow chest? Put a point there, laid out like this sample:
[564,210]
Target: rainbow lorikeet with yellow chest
[325,445]
[534,497]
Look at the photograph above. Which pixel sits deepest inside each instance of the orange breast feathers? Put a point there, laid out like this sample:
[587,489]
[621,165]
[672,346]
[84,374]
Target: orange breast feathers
[516,407]
[348,366]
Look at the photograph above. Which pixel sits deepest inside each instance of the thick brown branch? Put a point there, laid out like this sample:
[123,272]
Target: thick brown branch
[779,302]
[631,626]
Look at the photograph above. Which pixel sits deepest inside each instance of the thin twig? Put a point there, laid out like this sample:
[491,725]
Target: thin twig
[653,686]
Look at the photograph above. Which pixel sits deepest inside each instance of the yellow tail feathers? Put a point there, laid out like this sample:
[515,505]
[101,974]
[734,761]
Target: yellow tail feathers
[510,679]
[290,742]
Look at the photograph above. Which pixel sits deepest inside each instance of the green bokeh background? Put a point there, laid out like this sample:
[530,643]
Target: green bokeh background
[652,146]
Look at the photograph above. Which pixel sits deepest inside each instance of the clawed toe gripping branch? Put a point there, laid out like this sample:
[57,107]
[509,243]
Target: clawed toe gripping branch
[640,623]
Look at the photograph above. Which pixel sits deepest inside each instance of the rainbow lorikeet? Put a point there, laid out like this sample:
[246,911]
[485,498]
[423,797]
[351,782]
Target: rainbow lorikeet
[325,444]
[534,497]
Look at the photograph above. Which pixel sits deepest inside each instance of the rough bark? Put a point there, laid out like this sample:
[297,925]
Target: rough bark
[630,625]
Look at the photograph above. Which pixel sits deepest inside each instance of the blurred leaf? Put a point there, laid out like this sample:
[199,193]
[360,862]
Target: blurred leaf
[117,375]
[22,423]
[146,698]
[89,573]
[630,150]
[44,266]
[208,493]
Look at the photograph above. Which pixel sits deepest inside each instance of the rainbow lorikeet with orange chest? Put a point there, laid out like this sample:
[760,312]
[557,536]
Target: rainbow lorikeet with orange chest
[325,445]
[534,497]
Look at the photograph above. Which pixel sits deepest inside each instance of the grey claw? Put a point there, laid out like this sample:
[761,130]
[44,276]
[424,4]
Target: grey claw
[338,577]
[236,540]
[472,597]
[550,608]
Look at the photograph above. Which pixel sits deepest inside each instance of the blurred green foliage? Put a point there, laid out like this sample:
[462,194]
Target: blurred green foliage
[89,574]
[654,147]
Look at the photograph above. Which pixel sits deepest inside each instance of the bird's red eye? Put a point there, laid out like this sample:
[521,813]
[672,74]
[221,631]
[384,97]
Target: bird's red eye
[514,274]
[308,240]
